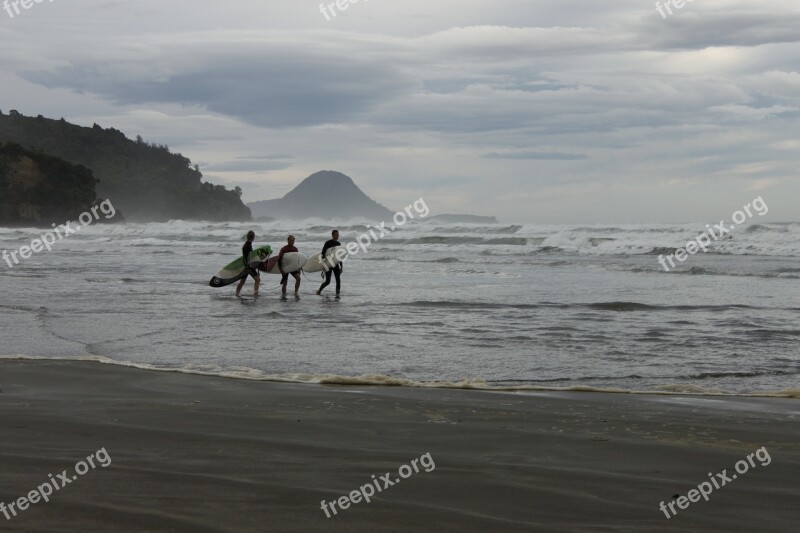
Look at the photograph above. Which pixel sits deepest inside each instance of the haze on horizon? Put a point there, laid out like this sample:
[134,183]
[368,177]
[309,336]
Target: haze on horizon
[552,111]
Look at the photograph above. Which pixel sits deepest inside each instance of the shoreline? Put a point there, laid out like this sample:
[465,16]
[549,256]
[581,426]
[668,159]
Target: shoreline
[389,381]
[200,453]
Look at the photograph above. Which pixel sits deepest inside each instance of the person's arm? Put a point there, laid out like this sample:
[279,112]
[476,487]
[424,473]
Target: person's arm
[325,248]
[280,261]
[336,244]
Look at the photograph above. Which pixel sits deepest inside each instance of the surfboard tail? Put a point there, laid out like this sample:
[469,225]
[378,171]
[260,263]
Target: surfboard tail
[218,282]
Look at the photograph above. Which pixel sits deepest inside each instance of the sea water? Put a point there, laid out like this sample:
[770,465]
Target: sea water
[495,306]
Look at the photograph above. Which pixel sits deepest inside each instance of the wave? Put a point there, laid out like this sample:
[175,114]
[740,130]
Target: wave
[440,239]
[624,306]
[546,250]
[764,228]
[662,250]
[361,228]
[748,374]
[447,240]
[478,229]
[252,374]
[619,306]
[704,271]
[512,241]
[774,240]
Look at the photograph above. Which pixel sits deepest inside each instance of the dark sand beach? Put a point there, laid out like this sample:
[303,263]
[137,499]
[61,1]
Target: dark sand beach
[197,453]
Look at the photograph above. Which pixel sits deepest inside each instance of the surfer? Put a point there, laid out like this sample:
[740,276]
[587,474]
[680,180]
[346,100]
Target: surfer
[285,275]
[337,270]
[247,250]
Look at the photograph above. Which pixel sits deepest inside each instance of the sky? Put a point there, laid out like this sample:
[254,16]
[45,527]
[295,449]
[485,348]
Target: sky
[541,111]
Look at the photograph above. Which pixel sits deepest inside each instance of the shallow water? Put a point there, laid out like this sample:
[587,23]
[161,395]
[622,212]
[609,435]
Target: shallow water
[508,306]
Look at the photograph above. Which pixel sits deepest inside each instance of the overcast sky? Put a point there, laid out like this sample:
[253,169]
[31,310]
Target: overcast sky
[545,111]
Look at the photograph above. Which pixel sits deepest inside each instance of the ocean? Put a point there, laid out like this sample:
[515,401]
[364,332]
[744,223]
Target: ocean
[506,307]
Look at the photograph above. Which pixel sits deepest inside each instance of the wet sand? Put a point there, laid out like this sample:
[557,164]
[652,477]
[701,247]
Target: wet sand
[197,453]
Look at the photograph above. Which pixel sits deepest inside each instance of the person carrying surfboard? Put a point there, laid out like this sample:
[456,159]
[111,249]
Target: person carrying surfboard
[337,270]
[285,275]
[247,250]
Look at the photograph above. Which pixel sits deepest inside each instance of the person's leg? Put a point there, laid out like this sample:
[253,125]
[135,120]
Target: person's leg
[258,284]
[338,273]
[241,284]
[284,282]
[297,279]
[326,282]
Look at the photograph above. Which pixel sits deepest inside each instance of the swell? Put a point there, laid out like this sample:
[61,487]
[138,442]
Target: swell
[620,306]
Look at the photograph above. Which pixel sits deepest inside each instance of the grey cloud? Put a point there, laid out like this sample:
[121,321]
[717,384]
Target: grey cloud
[249,165]
[265,84]
[698,30]
[553,156]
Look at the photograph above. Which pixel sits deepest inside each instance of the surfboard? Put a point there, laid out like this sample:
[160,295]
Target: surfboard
[292,262]
[315,263]
[234,271]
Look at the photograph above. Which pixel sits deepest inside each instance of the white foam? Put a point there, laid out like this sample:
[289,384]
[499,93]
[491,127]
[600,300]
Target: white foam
[252,374]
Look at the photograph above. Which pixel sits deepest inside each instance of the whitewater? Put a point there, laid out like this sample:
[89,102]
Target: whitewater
[504,307]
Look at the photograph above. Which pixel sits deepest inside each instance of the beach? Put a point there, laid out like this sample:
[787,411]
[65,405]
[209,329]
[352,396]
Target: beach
[204,453]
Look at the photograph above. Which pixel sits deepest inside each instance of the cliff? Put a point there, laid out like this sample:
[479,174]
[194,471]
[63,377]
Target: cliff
[37,189]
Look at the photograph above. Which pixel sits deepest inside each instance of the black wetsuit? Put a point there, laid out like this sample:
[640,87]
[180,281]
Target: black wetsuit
[336,271]
[247,249]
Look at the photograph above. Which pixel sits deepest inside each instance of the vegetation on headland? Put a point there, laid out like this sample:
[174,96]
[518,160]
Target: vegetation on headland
[145,181]
[38,189]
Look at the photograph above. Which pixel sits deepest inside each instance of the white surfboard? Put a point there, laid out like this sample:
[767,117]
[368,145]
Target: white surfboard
[315,263]
[292,262]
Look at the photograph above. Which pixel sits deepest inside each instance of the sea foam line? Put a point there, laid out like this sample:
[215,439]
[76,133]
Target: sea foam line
[252,374]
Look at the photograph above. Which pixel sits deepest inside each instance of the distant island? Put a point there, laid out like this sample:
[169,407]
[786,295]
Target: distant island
[327,195]
[331,195]
[145,181]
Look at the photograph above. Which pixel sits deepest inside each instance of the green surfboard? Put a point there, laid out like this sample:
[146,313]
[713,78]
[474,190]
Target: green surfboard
[234,271]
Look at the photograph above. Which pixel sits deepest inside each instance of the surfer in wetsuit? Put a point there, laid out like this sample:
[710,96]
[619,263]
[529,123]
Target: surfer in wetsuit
[327,261]
[285,275]
[247,251]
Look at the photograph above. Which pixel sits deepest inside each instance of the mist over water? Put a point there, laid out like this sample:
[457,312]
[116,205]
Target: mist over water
[508,305]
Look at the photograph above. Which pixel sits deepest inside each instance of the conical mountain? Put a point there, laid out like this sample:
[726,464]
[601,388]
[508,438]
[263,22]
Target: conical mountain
[327,195]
